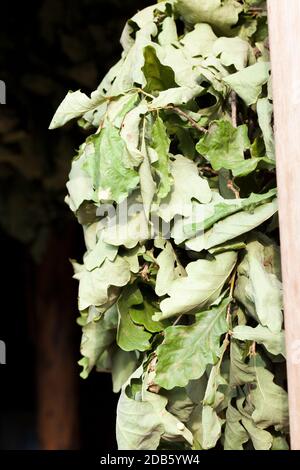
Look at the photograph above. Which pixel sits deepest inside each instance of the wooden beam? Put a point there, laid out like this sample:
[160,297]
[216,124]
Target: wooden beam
[284,28]
[57,373]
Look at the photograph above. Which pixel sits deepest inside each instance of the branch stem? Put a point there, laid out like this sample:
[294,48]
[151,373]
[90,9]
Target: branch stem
[188,118]
[233,102]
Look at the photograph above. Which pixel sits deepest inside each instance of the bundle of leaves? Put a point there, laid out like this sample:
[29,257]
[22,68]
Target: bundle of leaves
[179,291]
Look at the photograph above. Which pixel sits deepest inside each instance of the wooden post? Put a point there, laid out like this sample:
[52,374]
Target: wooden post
[284,28]
[57,374]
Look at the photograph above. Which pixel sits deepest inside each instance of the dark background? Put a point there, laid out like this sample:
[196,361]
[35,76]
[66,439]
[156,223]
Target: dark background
[46,48]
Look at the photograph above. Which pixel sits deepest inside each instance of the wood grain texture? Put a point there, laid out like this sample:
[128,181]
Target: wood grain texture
[284,28]
[57,373]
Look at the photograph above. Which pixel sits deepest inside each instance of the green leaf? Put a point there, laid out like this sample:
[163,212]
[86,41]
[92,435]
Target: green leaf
[176,96]
[168,35]
[243,293]
[196,389]
[138,427]
[94,285]
[236,245]
[199,288]
[264,289]
[147,183]
[186,144]
[158,76]
[101,251]
[179,404]
[232,51]
[273,342]
[199,41]
[161,145]
[174,430]
[224,145]
[132,258]
[247,83]
[212,426]
[213,400]
[80,185]
[147,15]
[169,269]
[247,29]
[270,402]
[280,443]
[143,420]
[213,72]
[175,57]
[235,433]
[179,200]
[104,362]
[240,372]
[130,336]
[130,73]
[221,15]
[265,115]
[110,167]
[74,105]
[142,315]
[123,365]
[249,165]
[221,208]
[118,109]
[130,134]
[97,336]
[141,425]
[129,225]
[187,350]
[232,227]
[261,440]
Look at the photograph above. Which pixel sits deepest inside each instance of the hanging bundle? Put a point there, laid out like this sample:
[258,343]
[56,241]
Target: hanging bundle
[180,294]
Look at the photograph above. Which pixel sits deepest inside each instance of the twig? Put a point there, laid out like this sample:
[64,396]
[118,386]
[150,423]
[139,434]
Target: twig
[140,90]
[152,386]
[208,170]
[177,110]
[232,284]
[230,185]
[226,342]
[257,10]
[188,118]
[233,102]
[228,310]
[177,320]
[252,349]
[144,272]
[183,114]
